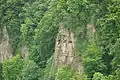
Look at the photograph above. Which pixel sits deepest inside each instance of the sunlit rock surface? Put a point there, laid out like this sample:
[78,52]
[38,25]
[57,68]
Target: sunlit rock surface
[5,46]
[65,50]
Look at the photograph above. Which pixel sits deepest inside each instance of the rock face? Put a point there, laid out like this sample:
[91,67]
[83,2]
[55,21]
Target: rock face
[5,47]
[24,52]
[91,32]
[65,50]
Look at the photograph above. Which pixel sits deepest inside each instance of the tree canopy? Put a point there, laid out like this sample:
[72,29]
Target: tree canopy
[35,24]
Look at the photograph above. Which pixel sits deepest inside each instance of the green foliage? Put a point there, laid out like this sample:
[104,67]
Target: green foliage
[10,10]
[1,71]
[30,71]
[32,14]
[20,69]
[99,76]
[66,73]
[35,23]
[93,60]
[12,68]
[115,51]
[49,73]
[108,31]
[117,77]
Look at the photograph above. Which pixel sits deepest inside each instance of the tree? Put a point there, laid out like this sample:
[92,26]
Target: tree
[1,78]
[30,71]
[12,68]
[66,73]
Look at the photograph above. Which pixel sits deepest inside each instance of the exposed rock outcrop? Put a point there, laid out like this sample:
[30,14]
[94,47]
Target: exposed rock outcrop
[24,51]
[5,46]
[65,50]
[91,32]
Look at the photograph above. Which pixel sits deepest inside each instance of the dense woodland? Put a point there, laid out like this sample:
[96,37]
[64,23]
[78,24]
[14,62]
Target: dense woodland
[34,24]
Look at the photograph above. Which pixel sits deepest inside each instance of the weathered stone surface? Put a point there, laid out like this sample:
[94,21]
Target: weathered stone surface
[91,32]
[24,51]
[65,50]
[5,46]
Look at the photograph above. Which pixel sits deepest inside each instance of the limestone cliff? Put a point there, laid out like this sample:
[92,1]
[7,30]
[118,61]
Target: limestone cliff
[65,50]
[5,46]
